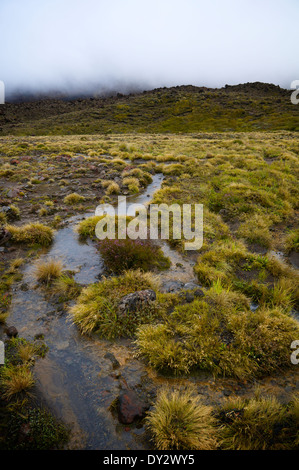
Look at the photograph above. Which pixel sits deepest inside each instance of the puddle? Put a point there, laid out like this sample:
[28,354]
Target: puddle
[75,379]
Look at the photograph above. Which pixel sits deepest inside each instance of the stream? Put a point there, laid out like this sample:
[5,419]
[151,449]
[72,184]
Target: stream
[75,380]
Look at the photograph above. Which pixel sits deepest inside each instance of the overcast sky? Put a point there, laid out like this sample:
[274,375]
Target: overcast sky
[71,45]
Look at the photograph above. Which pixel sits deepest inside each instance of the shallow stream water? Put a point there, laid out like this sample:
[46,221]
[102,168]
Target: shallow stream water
[75,379]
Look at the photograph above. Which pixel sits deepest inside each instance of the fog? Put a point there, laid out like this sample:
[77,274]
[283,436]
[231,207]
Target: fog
[87,46]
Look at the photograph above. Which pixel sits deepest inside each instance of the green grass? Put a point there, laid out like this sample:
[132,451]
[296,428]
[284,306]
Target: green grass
[48,271]
[122,255]
[31,234]
[179,421]
[96,307]
[258,423]
[73,198]
[219,334]
[184,109]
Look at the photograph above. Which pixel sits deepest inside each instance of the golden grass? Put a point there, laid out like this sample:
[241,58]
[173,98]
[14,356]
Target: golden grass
[67,287]
[3,317]
[96,307]
[72,199]
[219,334]
[259,423]
[47,271]
[179,421]
[16,379]
[31,234]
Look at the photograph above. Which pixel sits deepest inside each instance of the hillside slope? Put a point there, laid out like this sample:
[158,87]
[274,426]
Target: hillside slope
[247,107]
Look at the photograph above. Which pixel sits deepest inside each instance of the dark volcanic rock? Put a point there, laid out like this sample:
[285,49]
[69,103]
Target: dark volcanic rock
[11,332]
[131,302]
[199,293]
[172,286]
[112,358]
[4,236]
[130,407]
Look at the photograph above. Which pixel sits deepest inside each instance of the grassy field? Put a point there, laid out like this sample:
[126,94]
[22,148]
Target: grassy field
[248,185]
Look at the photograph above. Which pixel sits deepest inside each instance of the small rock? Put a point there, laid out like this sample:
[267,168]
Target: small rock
[130,407]
[131,302]
[4,235]
[190,286]
[112,358]
[189,297]
[199,293]
[13,193]
[11,332]
[172,286]
[24,287]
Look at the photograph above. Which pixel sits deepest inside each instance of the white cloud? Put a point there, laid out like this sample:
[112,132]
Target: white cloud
[70,44]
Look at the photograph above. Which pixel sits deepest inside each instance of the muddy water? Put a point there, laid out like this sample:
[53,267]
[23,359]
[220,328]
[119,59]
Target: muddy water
[75,379]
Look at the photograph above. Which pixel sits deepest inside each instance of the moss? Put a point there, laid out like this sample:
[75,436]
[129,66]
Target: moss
[43,431]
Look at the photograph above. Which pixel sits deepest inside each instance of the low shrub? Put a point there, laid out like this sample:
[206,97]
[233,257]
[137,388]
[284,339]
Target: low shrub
[121,255]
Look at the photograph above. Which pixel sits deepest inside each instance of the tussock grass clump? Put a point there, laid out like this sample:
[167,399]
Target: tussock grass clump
[67,287]
[111,187]
[15,211]
[96,307]
[292,241]
[265,280]
[256,230]
[175,169]
[3,219]
[121,255]
[259,423]
[219,334]
[179,421]
[16,379]
[27,351]
[3,317]
[15,265]
[31,234]
[47,271]
[132,183]
[143,177]
[86,228]
[72,199]
[43,212]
